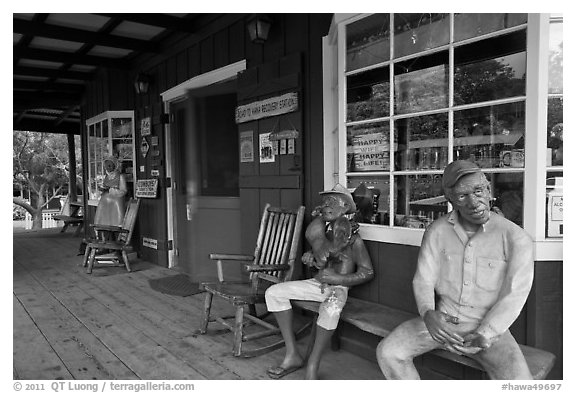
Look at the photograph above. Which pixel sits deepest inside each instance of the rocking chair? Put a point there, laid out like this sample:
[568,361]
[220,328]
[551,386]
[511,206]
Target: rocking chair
[272,262]
[118,246]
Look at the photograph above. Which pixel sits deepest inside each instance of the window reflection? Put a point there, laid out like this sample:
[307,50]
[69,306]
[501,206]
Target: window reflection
[372,197]
[490,69]
[508,193]
[421,84]
[417,32]
[368,41]
[555,152]
[368,95]
[474,25]
[368,147]
[555,60]
[491,136]
[422,142]
[420,200]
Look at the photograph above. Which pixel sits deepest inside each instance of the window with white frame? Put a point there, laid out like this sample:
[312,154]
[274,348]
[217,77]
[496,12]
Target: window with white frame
[110,133]
[554,125]
[422,90]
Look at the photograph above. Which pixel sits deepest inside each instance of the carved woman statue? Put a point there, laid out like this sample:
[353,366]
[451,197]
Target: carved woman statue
[112,204]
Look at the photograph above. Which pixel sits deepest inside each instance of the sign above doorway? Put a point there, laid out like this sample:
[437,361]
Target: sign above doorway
[269,107]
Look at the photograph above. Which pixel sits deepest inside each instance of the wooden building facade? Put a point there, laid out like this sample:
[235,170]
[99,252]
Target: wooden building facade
[192,140]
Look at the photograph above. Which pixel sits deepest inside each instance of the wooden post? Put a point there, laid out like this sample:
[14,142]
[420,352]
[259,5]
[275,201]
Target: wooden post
[72,165]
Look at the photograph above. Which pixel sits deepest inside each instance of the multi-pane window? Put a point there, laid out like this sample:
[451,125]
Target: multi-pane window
[555,119]
[111,133]
[422,90]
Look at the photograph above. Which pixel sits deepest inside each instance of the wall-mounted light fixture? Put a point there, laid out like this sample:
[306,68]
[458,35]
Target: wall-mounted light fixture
[142,83]
[258,27]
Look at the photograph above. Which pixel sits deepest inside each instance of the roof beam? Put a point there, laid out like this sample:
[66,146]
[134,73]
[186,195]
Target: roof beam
[67,57]
[66,114]
[78,35]
[64,87]
[159,20]
[53,73]
[28,100]
[47,126]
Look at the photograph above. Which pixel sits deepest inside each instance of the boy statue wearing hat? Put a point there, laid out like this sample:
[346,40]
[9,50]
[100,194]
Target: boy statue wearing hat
[342,261]
[479,265]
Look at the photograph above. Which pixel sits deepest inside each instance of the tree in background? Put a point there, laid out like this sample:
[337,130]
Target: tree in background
[41,166]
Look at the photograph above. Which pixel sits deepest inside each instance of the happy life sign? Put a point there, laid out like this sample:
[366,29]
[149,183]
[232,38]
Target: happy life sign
[274,106]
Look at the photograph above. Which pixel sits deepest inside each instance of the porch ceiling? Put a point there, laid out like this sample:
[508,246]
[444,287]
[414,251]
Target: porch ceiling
[56,55]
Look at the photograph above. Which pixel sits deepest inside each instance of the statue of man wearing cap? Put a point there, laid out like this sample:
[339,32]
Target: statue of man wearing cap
[479,265]
[342,261]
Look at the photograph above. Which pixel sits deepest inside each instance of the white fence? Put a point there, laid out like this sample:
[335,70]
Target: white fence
[48,220]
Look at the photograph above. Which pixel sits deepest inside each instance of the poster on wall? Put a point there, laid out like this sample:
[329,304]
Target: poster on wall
[145,126]
[247,146]
[266,148]
[147,188]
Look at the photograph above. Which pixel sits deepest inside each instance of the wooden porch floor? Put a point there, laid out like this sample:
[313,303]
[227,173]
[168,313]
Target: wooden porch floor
[112,325]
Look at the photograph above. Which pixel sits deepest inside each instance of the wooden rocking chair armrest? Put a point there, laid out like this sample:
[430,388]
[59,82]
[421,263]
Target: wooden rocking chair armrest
[267,268]
[228,257]
[109,228]
[232,257]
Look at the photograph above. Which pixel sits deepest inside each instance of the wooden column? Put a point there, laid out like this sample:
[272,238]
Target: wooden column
[72,163]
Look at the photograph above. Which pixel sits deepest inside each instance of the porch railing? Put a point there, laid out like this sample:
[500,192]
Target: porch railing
[48,220]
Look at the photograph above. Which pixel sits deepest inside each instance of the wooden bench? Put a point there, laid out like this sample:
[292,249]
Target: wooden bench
[380,320]
[71,215]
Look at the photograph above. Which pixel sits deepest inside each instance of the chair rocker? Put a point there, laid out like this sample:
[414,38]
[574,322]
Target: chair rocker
[273,262]
[118,244]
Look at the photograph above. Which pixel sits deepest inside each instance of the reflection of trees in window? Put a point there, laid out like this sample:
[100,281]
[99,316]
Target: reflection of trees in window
[556,59]
[368,95]
[425,127]
[421,84]
[555,129]
[490,69]
[485,81]
[555,121]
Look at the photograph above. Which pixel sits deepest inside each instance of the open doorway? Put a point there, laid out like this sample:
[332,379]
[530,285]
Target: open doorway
[205,175]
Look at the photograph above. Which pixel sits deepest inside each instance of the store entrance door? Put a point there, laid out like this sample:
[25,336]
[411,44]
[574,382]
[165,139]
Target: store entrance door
[205,180]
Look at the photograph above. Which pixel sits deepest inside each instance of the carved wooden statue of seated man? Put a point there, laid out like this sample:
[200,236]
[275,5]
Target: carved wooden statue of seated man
[480,266]
[342,261]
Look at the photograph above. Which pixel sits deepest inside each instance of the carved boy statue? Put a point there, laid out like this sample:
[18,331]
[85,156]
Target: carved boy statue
[343,261]
[480,265]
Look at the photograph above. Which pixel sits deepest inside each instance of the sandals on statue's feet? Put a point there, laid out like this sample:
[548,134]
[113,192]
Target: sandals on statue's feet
[279,372]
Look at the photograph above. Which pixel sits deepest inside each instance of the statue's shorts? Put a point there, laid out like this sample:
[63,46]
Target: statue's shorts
[333,298]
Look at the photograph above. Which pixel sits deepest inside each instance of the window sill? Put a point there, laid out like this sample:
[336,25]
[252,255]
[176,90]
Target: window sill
[544,250]
[396,235]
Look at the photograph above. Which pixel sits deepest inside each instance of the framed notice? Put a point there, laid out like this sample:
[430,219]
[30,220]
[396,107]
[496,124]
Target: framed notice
[247,146]
[147,188]
[266,148]
[145,126]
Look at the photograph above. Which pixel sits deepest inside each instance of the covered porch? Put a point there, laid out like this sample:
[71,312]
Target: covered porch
[112,325]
